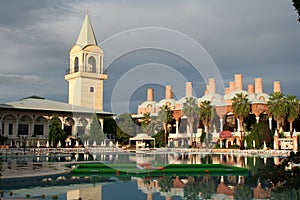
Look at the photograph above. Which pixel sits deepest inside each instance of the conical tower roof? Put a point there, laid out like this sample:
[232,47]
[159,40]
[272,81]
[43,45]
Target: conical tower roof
[86,35]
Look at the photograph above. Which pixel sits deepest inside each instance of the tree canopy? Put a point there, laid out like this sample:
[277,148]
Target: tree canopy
[191,111]
[241,107]
[296,4]
[277,107]
[56,133]
[206,114]
[165,117]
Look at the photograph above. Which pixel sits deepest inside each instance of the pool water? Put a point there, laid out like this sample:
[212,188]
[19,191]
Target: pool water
[70,186]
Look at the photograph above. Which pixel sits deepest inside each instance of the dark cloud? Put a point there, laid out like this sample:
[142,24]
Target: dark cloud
[256,38]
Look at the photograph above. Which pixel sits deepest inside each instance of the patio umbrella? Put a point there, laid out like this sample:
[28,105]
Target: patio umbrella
[95,143]
[59,144]
[245,144]
[47,144]
[265,146]
[77,144]
[117,144]
[253,143]
[38,144]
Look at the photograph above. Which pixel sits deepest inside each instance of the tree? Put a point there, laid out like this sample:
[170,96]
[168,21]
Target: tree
[126,124]
[191,111]
[56,133]
[277,107]
[96,133]
[125,128]
[296,4]
[292,110]
[146,120]
[260,133]
[165,116]
[109,126]
[206,114]
[241,109]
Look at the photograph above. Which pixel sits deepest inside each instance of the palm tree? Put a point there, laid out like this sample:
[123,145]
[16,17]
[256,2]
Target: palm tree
[292,110]
[241,109]
[165,116]
[206,114]
[146,120]
[191,111]
[277,107]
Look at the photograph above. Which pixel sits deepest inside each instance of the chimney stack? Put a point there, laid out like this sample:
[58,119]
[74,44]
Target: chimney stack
[169,92]
[227,90]
[277,86]
[251,89]
[150,96]
[258,85]
[238,81]
[212,85]
[231,86]
[189,89]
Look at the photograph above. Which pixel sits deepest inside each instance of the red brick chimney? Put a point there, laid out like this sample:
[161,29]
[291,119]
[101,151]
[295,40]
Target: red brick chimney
[169,93]
[150,96]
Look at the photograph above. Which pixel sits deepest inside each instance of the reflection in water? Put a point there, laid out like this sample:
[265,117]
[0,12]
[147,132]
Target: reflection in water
[163,187]
[93,193]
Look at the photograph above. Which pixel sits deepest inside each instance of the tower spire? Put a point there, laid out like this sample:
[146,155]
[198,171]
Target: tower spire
[86,35]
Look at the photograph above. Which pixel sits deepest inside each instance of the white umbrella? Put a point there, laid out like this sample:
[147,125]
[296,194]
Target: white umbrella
[117,144]
[47,144]
[59,144]
[111,143]
[95,143]
[38,144]
[253,142]
[265,146]
[87,143]
[77,144]
[102,144]
[245,143]
[10,143]
[27,143]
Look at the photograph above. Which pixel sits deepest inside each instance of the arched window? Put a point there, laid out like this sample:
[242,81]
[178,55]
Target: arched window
[262,98]
[91,64]
[76,65]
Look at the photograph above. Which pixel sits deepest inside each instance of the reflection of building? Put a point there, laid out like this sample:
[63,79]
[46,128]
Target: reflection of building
[224,187]
[93,193]
[28,119]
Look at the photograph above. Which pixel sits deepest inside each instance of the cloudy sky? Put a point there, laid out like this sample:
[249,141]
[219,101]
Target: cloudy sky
[149,43]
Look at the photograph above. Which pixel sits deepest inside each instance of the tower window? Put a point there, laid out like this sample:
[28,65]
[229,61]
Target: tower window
[76,65]
[92,64]
[91,89]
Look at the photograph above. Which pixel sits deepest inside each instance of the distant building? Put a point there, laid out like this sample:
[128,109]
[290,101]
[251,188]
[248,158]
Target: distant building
[223,120]
[27,120]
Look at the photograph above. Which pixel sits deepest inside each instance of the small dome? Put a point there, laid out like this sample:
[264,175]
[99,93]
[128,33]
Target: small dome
[169,102]
[213,98]
[233,93]
[145,104]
